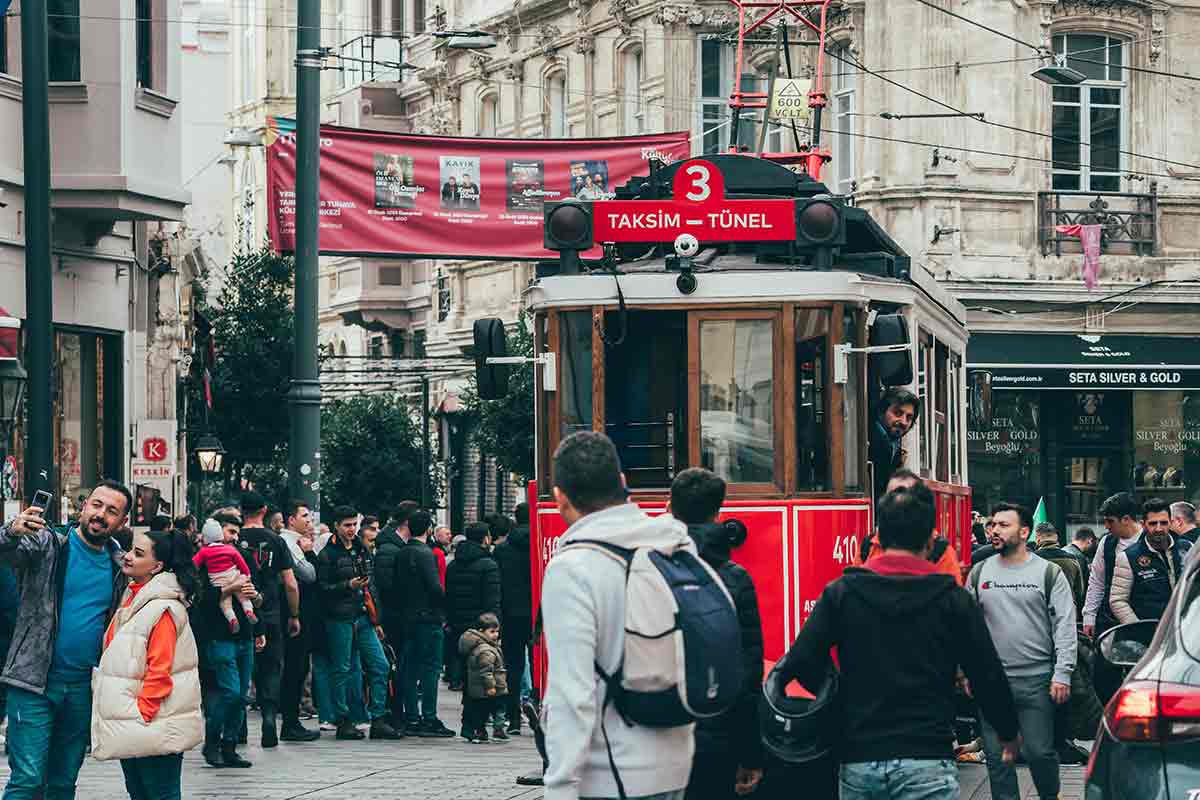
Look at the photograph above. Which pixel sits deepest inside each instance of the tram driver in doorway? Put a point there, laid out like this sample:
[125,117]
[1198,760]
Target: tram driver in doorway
[895,414]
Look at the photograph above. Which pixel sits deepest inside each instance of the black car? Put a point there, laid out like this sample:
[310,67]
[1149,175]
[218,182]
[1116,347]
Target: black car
[1148,745]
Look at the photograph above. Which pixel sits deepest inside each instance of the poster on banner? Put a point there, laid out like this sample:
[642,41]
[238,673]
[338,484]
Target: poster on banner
[461,197]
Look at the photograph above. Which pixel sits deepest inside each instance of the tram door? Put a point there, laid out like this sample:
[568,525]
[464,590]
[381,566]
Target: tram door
[645,393]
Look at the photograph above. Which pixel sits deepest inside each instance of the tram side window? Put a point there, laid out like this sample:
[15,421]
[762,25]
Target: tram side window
[941,410]
[576,391]
[737,399]
[852,413]
[812,429]
[925,421]
[645,394]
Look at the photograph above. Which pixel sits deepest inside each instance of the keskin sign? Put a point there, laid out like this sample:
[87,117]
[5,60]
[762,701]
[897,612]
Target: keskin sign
[454,197]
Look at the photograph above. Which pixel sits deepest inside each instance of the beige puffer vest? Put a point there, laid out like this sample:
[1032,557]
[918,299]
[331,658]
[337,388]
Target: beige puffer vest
[118,730]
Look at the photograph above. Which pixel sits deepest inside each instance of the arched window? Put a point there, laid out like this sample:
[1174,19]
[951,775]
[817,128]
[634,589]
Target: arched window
[556,105]
[1088,120]
[489,114]
[631,83]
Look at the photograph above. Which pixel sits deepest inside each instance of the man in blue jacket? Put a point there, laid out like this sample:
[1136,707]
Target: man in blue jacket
[71,583]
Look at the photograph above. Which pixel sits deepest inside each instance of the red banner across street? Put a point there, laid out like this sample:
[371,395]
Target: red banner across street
[430,196]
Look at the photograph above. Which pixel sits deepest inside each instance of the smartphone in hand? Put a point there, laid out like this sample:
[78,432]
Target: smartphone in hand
[42,500]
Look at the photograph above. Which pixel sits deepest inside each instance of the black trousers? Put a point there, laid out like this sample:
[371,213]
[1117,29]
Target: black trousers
[394,630]
[297,656]
[517,633]
[713,776]
[268,669]
[477,711]
[455,665]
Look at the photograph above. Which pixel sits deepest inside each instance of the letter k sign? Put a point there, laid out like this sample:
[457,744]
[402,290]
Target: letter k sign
[153,448]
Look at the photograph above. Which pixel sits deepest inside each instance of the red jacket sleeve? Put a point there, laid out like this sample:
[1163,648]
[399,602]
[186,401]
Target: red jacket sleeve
[241,562]
[440,556]
[160,657]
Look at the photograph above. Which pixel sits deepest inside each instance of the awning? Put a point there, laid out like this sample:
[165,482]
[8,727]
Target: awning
[1085,361]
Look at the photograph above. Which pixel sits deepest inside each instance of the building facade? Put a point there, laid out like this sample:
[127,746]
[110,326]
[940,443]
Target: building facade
[116,175]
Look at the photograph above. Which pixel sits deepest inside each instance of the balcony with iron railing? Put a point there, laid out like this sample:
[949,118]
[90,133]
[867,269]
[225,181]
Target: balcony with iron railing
[1128,222]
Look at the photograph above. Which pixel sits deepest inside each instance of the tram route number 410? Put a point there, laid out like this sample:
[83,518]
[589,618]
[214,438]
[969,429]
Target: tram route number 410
[845,549]
[698,207]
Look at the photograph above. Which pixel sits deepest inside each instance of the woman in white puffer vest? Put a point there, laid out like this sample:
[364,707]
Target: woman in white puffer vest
[146,691]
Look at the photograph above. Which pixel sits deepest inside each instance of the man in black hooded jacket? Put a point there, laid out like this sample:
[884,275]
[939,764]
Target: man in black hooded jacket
[898,611]
[729,753]
[516,602]
[472,583]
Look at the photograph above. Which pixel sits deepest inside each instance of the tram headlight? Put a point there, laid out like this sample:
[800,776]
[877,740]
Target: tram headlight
[568,226]
[820,223]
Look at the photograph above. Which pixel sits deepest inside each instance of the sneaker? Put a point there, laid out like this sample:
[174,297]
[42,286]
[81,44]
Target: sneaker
[498,734]
[347,731]
[481,735]
[234,626]
[295,732]
[435,729]
[380,729]
[514,729]
[328,726]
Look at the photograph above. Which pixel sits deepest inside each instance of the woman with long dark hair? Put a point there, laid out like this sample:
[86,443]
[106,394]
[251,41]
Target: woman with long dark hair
[146,691]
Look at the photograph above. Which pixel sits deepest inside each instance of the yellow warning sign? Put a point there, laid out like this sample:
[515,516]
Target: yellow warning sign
[789,99]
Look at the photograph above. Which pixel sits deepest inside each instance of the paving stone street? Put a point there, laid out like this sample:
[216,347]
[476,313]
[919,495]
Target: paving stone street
[412,769]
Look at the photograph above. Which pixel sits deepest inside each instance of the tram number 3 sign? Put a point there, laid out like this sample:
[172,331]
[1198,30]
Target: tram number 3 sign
[698,207]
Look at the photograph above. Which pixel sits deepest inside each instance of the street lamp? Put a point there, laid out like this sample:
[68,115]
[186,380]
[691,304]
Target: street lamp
[210,454]
[12,387]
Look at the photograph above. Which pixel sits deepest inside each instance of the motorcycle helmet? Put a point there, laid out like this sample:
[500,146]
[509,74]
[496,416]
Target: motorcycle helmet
[797,730]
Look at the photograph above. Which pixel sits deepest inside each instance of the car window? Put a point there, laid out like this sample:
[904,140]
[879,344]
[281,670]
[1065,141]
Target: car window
[1189,615]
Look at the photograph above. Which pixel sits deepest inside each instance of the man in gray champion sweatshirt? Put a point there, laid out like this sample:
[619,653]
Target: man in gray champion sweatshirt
[1036,643]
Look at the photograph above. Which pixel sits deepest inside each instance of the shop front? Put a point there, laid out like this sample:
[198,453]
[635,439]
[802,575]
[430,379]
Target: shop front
[1071,419]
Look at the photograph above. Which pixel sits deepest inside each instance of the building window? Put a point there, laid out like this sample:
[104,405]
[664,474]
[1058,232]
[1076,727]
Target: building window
[1088,120]
[489,114]
[843,82]
[375,347]
[716,70]
[63,21]
[248,46]
[3,43]
[399,344]
[443,296]
[145,45]
[418,16]
[635,115]
[556,105]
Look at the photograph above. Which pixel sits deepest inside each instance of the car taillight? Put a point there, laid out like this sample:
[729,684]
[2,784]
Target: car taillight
[1144,711]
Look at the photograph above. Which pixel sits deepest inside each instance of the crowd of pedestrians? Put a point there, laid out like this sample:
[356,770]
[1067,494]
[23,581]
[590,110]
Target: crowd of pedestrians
[141,646]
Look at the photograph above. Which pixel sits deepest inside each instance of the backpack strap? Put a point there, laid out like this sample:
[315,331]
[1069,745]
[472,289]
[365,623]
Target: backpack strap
[974,579]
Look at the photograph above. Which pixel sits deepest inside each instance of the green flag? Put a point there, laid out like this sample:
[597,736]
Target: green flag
[1039,516]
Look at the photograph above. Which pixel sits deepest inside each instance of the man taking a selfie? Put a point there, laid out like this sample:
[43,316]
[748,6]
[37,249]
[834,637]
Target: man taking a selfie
[71,583]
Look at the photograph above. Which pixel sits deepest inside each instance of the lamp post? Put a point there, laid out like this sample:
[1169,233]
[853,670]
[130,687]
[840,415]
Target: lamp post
[211,456]
[12,389]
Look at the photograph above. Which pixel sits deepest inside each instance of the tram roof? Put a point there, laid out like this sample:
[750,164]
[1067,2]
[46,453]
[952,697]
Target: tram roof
[732,279]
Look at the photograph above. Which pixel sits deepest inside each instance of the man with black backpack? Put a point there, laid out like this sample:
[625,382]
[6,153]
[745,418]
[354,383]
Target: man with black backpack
[901,630]
[592,751]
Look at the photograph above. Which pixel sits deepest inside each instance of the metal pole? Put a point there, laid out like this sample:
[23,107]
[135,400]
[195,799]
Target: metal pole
[304,397]
[425,493]
[39,313]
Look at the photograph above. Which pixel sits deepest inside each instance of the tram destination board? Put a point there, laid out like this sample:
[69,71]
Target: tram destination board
[698,207]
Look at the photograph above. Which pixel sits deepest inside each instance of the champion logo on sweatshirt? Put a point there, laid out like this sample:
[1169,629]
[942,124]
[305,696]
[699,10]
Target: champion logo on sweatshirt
[999,585]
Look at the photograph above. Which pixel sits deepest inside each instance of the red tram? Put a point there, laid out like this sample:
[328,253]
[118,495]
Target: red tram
[759,354]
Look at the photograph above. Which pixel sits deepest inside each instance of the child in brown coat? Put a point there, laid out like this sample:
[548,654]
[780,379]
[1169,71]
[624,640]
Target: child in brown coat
[487,680]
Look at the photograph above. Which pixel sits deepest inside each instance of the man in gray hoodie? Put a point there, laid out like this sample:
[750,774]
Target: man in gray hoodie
[1034,632]
[583,611]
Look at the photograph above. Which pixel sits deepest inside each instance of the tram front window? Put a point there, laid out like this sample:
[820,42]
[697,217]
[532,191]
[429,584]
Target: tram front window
[576,395]
[737,399]
[645,397]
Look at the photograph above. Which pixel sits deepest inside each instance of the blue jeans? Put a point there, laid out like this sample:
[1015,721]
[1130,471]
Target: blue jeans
[345,639]
[422,670]
[1035,714]
[322,687]
[48,736]
[900,779]
[675,795]
[232,664]
[153,777]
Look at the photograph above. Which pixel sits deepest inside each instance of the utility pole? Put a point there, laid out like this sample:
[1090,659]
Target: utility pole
[425,493]
[304,397]
[39,279]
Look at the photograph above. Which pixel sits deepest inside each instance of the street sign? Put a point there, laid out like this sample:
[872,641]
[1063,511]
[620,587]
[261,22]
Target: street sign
[789,99]
[699,207]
